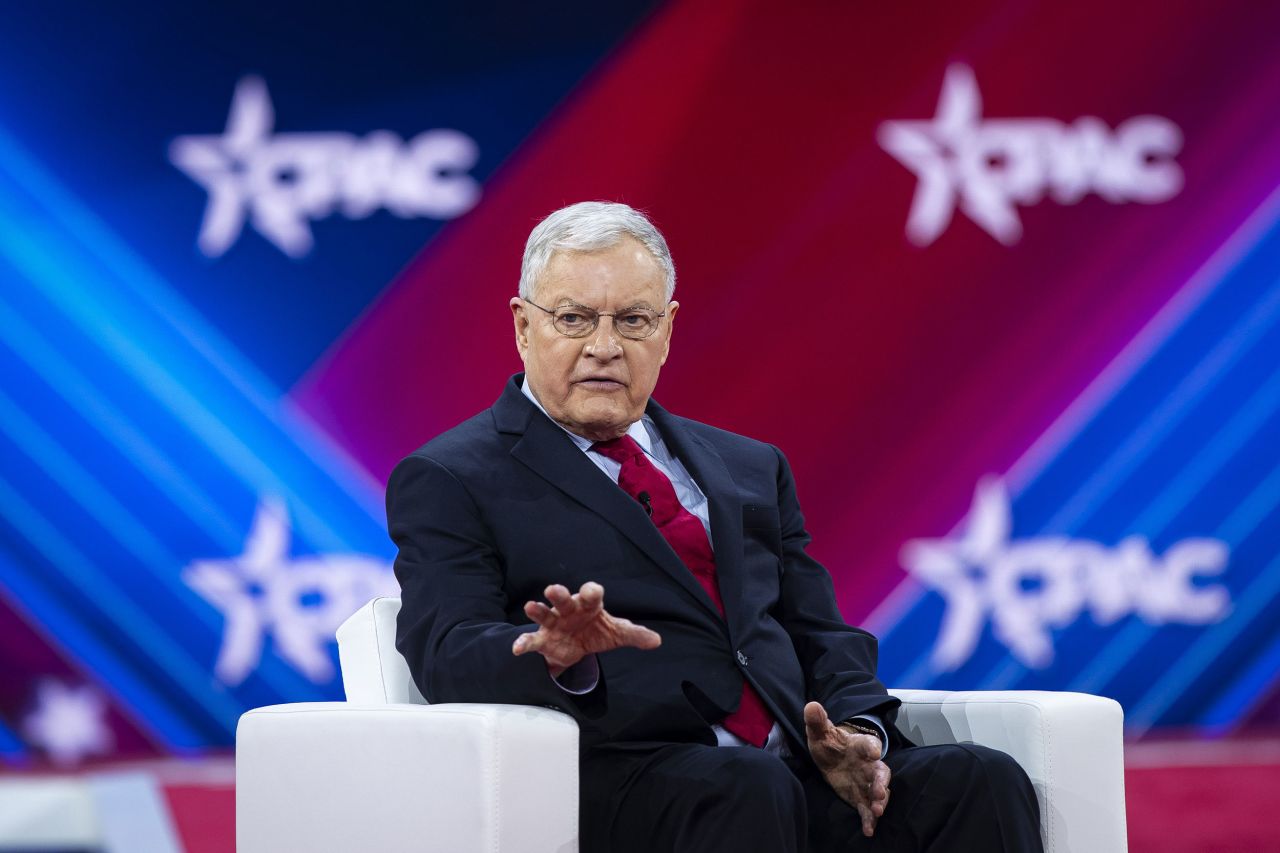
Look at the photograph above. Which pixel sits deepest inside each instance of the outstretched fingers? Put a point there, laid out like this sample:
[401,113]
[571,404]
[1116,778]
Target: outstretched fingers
[540,613]
[591,594]
[529,642]
[571,625]
[585,605]
[577,608]
[542,616]
[558,595]
[636,636]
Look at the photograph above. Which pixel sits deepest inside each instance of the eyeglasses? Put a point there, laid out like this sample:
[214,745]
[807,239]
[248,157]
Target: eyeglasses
[578,321]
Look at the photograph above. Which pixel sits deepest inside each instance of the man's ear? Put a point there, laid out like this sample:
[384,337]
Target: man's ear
[672,308]
[521,318]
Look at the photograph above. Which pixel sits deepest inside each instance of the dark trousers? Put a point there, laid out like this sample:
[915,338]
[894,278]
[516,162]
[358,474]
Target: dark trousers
[690,798]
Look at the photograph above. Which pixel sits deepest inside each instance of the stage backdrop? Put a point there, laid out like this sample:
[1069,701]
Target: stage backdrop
[999,278]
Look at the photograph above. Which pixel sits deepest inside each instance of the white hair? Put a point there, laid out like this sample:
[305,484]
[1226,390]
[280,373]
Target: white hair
[589,226]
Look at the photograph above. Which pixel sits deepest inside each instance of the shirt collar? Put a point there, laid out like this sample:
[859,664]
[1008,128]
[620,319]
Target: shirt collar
[641,430]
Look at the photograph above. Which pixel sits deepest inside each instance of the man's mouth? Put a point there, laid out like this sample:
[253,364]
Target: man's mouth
[600,383]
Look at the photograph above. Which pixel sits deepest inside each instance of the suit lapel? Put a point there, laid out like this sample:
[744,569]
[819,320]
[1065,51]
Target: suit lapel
[546,450]
[708,468]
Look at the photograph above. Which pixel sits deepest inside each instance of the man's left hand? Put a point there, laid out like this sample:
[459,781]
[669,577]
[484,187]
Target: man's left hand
[851,764]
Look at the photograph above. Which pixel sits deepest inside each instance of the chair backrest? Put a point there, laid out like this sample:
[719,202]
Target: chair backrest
[373,672]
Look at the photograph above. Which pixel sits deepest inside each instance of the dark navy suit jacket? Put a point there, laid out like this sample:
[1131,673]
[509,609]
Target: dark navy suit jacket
[489,513]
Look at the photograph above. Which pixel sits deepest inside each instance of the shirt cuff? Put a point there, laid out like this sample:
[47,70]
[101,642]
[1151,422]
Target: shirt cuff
[580,678]
[875,723]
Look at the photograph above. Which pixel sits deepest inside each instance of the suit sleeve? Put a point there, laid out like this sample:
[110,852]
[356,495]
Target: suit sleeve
[839,661]
[455,626]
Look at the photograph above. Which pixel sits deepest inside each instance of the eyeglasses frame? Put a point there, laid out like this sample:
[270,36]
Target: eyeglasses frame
[596,322]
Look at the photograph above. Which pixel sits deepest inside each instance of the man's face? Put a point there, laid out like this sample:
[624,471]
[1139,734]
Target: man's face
[595,386]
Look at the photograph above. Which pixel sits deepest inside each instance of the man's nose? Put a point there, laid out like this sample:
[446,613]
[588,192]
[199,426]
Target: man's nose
[603,343]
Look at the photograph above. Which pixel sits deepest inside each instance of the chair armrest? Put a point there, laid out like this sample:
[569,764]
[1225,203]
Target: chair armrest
[332,776]
[1070,744]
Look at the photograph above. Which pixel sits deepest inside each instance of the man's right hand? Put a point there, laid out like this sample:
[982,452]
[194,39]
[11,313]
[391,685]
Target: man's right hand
[577,625]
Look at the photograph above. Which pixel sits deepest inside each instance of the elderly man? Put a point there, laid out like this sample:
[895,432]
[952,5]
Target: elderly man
[579,547]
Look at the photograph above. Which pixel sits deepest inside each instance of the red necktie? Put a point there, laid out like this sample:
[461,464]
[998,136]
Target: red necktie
[688,538]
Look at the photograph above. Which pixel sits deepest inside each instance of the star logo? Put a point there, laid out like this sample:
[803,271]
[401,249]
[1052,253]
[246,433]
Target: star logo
[954,568]
[987,167]
[68,723]
[283,181]
[298,601]
[1028,587]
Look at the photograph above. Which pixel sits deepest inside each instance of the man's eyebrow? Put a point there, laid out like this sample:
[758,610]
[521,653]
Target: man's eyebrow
[565,301]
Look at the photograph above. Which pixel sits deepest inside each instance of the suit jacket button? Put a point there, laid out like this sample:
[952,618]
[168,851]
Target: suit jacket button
[742,659]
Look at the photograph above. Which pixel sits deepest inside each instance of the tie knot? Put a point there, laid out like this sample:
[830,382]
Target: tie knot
[619,449]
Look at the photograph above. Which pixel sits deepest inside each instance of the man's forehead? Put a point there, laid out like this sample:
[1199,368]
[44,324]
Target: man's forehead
[627,248]
[581,277]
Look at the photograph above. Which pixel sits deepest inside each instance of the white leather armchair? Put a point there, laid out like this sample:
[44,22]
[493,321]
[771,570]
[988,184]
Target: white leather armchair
[386,772]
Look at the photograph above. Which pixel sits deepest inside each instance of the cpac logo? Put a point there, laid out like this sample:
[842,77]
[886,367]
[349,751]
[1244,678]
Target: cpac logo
[299,601]
[989,166]
[1030,586]
[282,181]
